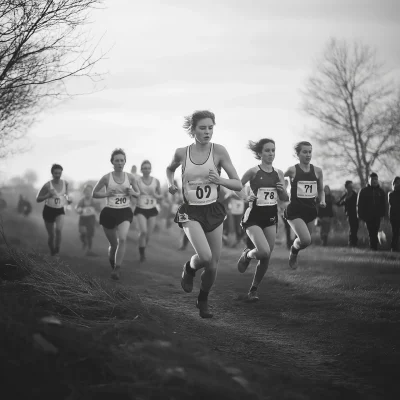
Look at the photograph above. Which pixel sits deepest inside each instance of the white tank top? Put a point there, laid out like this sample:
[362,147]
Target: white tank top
[59,200]
[120,199]
[197,190]
[146,198]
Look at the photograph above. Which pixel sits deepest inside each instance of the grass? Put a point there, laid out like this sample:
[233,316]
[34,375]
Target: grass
[101,342]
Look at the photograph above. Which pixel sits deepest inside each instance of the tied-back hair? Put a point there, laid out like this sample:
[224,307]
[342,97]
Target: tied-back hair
[145,162]
[190,121]
[297,147]
[56,166]
[256,147]
[116,152]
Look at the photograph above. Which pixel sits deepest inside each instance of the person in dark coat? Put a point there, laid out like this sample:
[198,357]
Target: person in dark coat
[349,201]
[394,213]
[371,208]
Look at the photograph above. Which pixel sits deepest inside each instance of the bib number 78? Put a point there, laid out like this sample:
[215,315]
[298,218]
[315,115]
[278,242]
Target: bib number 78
[270,195]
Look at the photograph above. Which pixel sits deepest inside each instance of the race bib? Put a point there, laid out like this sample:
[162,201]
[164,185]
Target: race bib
[267,197]
[119,201]
[199,193]
[236,206]
[146,201]
[306,189]
[56,202]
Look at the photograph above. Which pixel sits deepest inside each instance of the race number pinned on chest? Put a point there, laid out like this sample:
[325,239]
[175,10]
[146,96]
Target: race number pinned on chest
[199,193]
[306,189]
[267,197]
[146,201]
[120,201]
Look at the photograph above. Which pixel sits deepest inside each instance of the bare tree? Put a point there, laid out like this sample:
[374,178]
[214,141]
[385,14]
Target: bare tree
[42,43]
[358,109]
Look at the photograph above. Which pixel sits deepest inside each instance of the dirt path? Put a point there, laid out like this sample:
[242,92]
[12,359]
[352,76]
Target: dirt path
[289,331]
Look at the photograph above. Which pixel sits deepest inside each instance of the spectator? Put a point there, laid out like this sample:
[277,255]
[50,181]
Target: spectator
[371,208]
[394,213]
[325,216]
[349,201]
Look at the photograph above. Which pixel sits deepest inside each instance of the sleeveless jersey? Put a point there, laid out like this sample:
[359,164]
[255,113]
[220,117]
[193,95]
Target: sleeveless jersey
[59,200]
[263,185]
[146,198]
[303,190]
[120,199]
[197,190]
[87,209]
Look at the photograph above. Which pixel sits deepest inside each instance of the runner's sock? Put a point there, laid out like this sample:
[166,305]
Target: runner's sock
[203,296]
[253,289]
[141,250]
[294,250]
[189,269]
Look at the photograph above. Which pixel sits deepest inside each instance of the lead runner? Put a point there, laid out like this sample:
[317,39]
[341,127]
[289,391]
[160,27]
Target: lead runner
[201,216]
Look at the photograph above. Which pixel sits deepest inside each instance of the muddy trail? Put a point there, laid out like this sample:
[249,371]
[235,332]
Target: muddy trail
[292,332]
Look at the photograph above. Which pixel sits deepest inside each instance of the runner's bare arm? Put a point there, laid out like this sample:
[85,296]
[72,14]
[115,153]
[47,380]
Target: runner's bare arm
[134,190]
[66,193]
[225,162]
[247,176]
[320,186]
[97,191]
[282,193]
[290,172]
[44,193]
[157,193]
[175,163]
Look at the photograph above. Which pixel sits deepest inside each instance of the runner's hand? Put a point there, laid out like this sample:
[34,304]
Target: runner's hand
[172,189]
[213,177]
[52,193]
[130,191]
[322,204]
[252,197]
[111,192]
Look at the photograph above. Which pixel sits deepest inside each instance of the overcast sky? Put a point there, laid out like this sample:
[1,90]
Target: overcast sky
[245,60]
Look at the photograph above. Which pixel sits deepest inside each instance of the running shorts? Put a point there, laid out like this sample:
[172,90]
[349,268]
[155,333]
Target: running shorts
[209,216]
[259,217]
[294,211]
[50,214]
[89,223]
[147,212]
[110,218]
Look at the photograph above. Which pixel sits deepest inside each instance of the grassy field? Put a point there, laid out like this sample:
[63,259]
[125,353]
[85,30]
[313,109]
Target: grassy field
[329,330]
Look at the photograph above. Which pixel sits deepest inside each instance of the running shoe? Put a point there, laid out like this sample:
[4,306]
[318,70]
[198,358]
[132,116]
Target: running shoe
[115,273]
[292,259]
[187,279]
[252,296]
[203,309]
[243,262]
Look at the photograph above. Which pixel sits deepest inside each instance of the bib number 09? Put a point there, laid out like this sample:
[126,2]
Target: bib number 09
[200,192]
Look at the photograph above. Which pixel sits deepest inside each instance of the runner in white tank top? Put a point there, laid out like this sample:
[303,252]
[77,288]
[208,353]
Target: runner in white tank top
[146,210]
[201,216]
[55,195]
[117,215]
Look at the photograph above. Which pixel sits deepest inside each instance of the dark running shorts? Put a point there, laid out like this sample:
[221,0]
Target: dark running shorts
[50,214]
[259,217]
[110,218]
[294,211]
[89,223]
[210,216]
[147,212]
